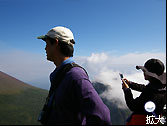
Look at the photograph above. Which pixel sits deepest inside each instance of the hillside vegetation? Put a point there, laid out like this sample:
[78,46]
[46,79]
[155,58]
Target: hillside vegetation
[20,103]
[22,108]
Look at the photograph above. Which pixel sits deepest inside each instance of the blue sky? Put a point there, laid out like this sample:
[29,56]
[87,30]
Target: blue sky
[119,26]
[111,36]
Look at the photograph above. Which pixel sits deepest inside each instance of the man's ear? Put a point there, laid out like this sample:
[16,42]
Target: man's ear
[56,42]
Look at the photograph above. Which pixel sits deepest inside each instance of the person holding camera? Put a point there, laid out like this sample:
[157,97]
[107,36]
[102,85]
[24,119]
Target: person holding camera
[154,91]
[72,99]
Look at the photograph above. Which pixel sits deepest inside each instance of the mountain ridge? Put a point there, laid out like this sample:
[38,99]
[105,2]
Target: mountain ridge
[11,85]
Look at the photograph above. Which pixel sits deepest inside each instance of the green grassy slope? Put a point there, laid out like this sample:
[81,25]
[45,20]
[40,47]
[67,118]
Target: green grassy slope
[22,108]
[20,103]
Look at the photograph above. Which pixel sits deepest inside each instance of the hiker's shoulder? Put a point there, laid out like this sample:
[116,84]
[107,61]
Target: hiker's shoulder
[77,72]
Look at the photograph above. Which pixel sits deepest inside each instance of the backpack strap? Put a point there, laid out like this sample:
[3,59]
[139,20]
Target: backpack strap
[76,65]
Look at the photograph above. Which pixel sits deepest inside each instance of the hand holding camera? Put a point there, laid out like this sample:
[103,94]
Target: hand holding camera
[125,82]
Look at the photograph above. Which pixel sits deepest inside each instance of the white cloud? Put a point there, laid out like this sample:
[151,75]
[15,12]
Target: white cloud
[105,68]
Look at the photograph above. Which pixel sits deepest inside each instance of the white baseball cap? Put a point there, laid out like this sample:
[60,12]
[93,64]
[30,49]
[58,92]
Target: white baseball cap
[61,33]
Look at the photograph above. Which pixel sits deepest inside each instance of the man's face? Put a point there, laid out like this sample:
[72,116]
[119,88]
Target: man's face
[50,50]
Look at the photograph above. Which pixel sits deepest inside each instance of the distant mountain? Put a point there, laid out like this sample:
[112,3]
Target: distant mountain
[118,115]
[20,103]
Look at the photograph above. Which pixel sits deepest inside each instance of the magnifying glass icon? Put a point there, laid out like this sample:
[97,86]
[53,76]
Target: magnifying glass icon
[150,107]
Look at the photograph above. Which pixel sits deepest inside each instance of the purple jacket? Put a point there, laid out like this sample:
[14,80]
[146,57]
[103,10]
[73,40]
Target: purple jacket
[77,102]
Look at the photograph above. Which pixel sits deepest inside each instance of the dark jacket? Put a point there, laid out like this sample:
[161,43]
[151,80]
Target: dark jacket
[77,102]
[152,92]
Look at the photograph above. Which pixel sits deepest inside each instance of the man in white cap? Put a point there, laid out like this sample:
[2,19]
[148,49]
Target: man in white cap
[72,99]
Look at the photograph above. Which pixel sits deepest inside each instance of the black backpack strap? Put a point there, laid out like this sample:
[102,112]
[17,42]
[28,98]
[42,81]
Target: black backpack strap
[76,65]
